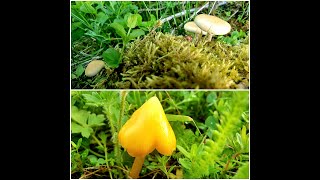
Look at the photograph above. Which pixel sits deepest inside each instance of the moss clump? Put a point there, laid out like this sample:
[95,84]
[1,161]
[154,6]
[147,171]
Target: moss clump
[166,61]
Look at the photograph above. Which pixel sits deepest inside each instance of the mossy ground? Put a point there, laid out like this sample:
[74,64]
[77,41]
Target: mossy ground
[161,61]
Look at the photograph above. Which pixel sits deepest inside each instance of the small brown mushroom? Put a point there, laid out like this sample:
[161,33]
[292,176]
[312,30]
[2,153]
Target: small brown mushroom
[94,67]
[212,25]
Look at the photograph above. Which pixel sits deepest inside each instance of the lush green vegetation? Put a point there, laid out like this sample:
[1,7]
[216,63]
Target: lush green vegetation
[112,30]
[211,128]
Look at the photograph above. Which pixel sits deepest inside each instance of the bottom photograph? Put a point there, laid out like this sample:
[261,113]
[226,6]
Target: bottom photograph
[189,134]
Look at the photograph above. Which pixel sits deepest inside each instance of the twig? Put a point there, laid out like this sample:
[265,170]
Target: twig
[212,7]
[155,175]
[84,176]
[121,168]
[176,15]
[200,9]
[154,171]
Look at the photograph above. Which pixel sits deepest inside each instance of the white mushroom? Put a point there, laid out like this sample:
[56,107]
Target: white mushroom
[212,25]
[94,67]
[192,27]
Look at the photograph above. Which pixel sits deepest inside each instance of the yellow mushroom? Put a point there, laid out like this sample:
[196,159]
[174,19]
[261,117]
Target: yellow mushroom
[146,130]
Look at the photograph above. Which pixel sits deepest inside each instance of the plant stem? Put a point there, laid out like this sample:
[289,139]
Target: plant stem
[136,167]
[147,8]
[97,140]
[106,156]
[123,95]
[174,18]
[123,100]
[105,152]
[95,153]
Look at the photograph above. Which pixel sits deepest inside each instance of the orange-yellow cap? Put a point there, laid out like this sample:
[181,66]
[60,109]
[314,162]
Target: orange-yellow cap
[148,129]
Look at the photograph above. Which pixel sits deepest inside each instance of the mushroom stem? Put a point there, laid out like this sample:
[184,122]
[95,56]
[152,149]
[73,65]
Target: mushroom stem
[136,167]
[210,37]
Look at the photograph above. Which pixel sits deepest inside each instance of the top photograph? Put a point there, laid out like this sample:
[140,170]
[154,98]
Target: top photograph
[159,44]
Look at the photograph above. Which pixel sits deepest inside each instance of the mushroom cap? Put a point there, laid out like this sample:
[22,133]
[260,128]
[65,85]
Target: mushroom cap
[212,24]
[146,130]
[94,67]
[192,27]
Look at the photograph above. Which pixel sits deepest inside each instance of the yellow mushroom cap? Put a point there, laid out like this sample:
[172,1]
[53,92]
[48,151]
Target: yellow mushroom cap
[212,24]
[192,27]
[146,130]
[94,67]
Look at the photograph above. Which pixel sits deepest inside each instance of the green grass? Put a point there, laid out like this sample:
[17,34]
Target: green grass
[211,128]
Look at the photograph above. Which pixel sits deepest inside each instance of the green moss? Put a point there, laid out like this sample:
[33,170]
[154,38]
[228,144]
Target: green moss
[166,61]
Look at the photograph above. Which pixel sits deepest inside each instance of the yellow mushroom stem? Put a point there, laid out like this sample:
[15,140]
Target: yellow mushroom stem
[136,167]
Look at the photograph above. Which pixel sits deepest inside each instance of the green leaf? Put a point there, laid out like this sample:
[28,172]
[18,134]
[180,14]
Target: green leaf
[239,140]
[211,98]
[79,70]
[73,76]
[194,150]
[92,159]
[79,143]
[119,29]
[111,57]
[73,144]
[180,118]
[87,8]
[84,154]
[185,163]
[101,161]
[102,17]
[139,19]
[136,33]
[75,25]
[76,128]
[92,98]
[183,151]
[79,124]
[243,172]
[235,34]
[171,168]
[77,5]
[86,132]
[244,136]
[121,21]
[132,20]
[80,116]
[211,122]
[148,23]
[153,18]
[96,120]
[78,16]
